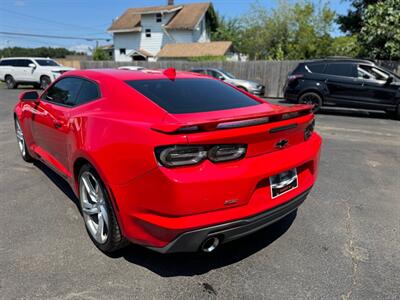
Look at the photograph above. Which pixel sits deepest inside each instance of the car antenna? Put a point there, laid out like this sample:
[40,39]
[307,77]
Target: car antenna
[170,73]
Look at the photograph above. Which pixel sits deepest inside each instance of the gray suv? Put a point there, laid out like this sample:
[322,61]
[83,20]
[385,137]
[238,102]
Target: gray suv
[246,85]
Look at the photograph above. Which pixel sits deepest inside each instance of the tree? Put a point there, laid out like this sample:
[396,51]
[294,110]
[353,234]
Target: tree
[100,54]
[290,31]
[352,22]
[227,30]
[380,33]
[37,52]
[346,46]
[310,31]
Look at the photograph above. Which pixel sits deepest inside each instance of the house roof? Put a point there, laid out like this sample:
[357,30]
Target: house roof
[141,52]
[127,22]
[194,50]
[187,16]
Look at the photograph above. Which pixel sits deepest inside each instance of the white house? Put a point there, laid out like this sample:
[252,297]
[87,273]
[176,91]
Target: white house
[140,33]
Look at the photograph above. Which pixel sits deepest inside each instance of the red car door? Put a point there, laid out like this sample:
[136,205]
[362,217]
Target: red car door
[50,123]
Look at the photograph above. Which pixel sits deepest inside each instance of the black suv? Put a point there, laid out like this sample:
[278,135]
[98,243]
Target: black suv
[346,83]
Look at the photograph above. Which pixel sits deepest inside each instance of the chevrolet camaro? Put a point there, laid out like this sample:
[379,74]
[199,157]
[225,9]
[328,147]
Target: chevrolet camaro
[173,161]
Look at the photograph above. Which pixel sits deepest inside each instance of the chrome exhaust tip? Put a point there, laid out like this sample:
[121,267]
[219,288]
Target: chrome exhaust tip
[209,244]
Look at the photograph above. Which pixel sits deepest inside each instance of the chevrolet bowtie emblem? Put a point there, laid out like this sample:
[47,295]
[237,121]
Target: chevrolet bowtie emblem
[281,144]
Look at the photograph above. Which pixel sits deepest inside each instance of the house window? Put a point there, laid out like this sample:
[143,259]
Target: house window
[122,51]
[148,32]
[158,18]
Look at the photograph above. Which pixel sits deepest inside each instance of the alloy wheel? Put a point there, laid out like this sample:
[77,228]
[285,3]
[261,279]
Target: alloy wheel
[94,208]
[44,82]
[10,82]
[20,138]
[311,99]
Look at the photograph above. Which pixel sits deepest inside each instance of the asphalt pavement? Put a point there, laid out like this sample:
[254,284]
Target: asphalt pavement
[342,243]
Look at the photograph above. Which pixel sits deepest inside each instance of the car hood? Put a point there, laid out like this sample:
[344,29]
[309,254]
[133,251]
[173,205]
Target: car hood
[57,69]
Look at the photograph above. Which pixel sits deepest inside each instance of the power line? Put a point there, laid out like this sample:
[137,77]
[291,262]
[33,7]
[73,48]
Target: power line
[16,28]
[55,36]
[45,20]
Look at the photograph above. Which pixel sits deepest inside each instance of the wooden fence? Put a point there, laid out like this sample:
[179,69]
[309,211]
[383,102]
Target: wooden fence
[272,74]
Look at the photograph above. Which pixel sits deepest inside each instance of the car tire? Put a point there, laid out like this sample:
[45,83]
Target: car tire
[97,212]
[311,98]
[396,114]
[10,82]
[44,82]
[21,142]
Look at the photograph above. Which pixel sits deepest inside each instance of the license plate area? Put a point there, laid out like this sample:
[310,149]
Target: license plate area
[283,182]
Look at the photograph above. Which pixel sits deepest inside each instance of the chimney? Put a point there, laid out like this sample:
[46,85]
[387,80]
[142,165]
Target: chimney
[170,2]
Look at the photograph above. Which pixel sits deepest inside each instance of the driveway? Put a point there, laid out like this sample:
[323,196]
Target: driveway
[343,242]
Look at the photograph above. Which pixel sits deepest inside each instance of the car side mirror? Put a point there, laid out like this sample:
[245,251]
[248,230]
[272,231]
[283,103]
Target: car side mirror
[32,65]
[221,78]
[29,96]
[365,76]
[389,80]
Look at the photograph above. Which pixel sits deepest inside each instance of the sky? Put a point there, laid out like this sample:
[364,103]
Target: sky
[91,18]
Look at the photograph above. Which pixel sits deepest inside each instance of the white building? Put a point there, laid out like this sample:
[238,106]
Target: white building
[140,33]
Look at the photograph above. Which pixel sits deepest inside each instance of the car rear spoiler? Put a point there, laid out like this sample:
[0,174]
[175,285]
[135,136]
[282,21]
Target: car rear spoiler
[172,124]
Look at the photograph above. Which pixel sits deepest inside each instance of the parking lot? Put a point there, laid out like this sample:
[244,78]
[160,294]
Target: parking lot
[343,242]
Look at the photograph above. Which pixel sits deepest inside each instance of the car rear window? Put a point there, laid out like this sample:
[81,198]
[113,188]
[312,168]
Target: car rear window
[300,69]
[191,95]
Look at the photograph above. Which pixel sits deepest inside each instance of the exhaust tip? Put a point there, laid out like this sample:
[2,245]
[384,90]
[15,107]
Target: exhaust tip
[210,244]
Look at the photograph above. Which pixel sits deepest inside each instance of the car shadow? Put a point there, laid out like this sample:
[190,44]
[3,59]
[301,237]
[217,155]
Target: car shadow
[58,181]
[187,264]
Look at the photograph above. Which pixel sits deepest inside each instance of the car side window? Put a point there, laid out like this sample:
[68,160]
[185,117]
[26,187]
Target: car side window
[373,72]
[341,69]
[89,91]
[22,63]
[11,62]
[5,62]
[64,92]
[215,74]
[200,71]
[316,68]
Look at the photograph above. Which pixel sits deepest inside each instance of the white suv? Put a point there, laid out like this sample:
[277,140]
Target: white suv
[39,72]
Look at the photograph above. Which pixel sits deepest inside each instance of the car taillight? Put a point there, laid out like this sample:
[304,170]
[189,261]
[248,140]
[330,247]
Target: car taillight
[295,76]
[184,155]
[309,130]
[226,152]
[181,155]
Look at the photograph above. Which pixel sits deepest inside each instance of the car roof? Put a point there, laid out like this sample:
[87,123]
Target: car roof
[5,58]
[196,69]
[340,60]
[125,75]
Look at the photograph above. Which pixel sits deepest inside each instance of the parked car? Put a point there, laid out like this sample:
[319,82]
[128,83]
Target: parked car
[344,82]
[131,68]
[169,160]
[246,85]
[39,72]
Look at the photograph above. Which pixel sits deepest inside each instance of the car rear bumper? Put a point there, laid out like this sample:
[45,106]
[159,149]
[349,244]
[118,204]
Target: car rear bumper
[258,92]
[290,96]
[191,241]
[163,204]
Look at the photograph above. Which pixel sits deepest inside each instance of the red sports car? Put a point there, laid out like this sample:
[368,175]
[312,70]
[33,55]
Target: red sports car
[174,161]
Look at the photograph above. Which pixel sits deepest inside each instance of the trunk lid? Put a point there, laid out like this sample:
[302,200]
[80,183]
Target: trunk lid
[261,127]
